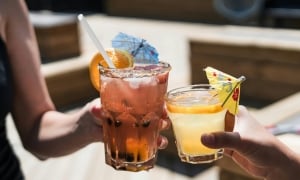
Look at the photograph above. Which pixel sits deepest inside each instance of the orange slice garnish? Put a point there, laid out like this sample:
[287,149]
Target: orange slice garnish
[194,109]
[120,58]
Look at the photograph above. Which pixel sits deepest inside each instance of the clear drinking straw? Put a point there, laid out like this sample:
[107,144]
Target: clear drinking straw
[93,37]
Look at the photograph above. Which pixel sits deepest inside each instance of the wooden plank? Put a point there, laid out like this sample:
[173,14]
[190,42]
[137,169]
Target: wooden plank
[57,35]
[194,10]
[259,69]
[282,72]
[263,82]
[272,73]
[279,111]
[244,49]
[235,65]
[71,86]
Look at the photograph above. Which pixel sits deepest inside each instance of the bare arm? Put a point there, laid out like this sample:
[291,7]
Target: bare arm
[43,131]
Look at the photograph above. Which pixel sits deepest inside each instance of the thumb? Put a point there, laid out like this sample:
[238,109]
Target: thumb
[221,140]
[97,111]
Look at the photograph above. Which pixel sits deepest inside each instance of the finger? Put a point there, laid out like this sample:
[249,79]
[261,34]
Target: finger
[221,140]
[231,140]
[164,114]
[96,110]
[247,165]
[241,160]
[95,107]
[99,114]
[162,142]
[238,158]
[164,124]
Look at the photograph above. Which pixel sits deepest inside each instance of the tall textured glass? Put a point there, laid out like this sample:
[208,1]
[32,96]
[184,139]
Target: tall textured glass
[133,100]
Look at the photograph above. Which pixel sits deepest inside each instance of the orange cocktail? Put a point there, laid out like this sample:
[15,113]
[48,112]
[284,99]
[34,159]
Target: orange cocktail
[195,110]
[133,100]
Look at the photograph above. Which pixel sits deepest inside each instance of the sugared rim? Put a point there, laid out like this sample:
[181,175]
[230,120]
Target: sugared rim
[171,94]
[163,67]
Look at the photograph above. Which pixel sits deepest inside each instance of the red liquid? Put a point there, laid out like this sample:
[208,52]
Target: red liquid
[133,108]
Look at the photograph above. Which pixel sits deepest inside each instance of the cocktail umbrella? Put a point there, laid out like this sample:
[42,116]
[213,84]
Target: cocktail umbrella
[227,86]
[139,48]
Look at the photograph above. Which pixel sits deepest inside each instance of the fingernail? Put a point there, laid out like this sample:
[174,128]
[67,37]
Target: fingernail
[165,124]
[208,139]
[162,142]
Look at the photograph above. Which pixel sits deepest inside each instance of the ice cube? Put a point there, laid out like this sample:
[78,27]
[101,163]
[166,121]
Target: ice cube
[135,83]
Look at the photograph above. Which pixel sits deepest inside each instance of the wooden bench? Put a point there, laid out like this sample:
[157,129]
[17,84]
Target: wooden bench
[68,82]
[268,58]
[192,10]
[281,17]
[57,35]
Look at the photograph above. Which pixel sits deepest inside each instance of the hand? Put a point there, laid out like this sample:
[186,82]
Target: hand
[165,124]
[98,114]
[255,149]
[91,120]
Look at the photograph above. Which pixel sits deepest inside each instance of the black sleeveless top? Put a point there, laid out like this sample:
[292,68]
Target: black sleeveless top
[9,164]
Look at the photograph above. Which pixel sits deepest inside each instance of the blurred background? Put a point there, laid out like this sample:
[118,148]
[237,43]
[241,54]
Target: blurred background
[259,39]
[271,13]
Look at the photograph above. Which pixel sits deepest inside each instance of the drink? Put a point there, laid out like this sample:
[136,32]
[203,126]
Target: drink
[133,101]
[195,110]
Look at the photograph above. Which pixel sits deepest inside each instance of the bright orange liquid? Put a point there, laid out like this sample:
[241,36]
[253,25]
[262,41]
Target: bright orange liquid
[191,120]
[188,129]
